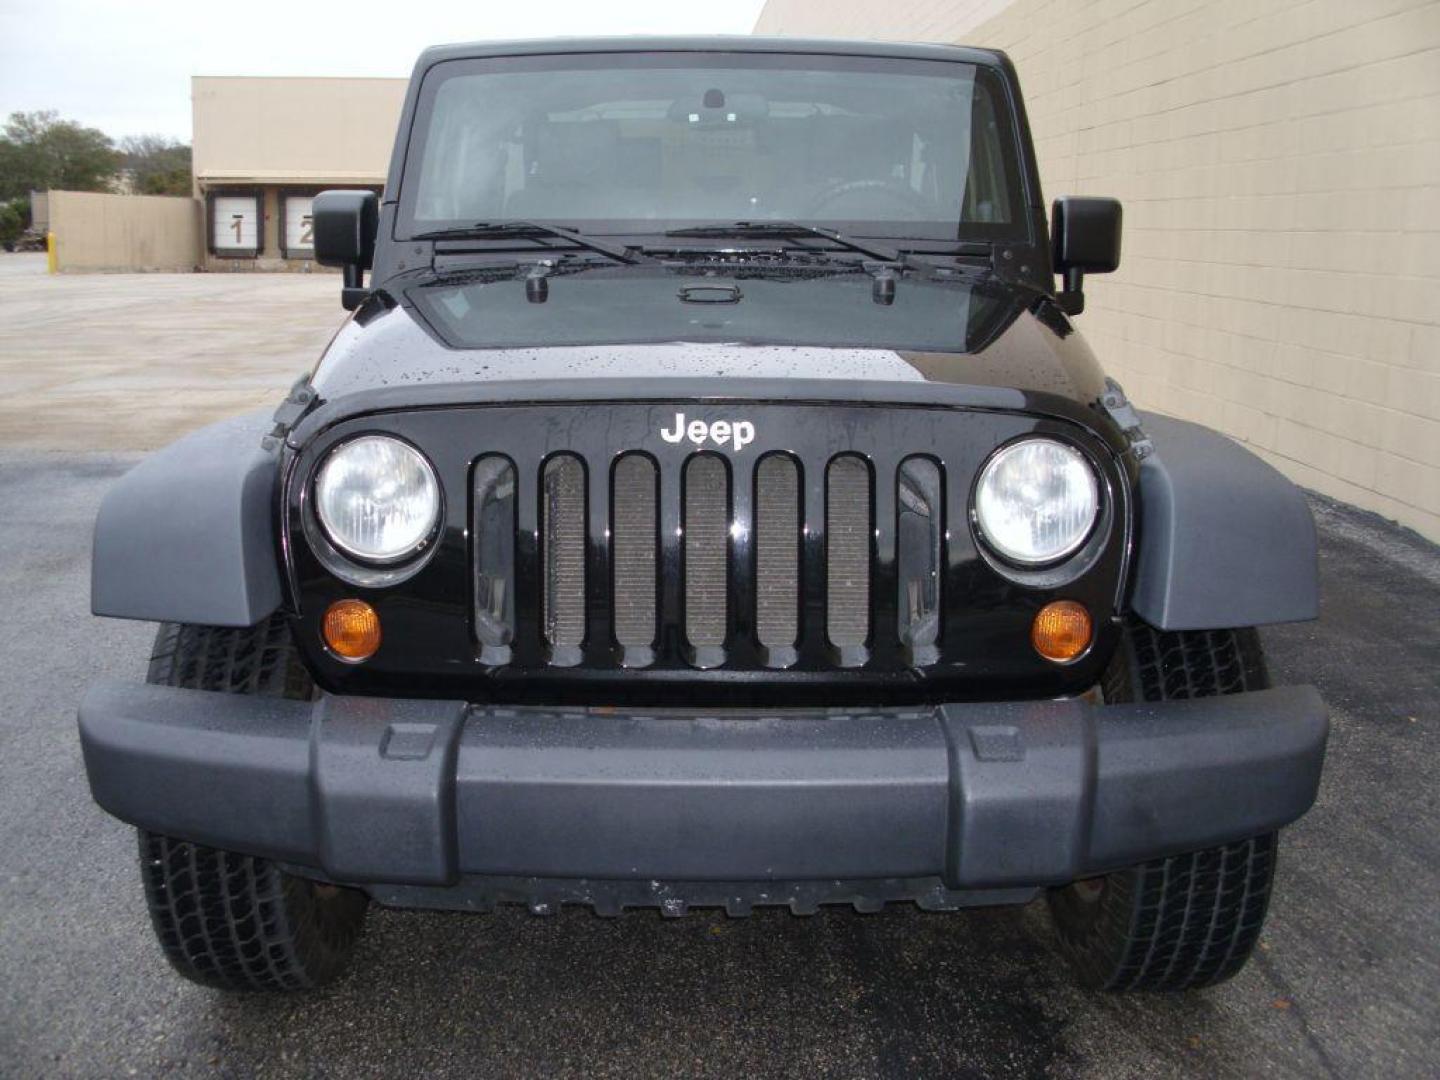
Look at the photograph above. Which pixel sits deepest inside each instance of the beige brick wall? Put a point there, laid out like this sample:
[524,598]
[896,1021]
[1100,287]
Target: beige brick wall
[1279,162]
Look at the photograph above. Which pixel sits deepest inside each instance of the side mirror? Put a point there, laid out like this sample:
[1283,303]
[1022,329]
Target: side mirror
[1085,237]
[345,224]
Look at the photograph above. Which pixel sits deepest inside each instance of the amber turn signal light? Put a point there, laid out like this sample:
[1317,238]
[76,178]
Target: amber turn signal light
[1061,631]
[351,629]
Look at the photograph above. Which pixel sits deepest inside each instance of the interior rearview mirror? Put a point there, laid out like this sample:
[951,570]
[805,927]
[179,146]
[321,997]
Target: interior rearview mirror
[1085,237]
[345,224]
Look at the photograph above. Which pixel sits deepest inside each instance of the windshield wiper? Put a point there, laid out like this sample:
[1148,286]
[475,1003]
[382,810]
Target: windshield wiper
[779,230]
[505,230]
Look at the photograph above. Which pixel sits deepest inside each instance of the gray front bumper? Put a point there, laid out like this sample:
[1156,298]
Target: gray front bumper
[981,796]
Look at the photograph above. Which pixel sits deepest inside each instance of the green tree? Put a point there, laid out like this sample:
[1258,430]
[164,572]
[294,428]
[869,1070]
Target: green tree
[12,224]
[39,151]
[156,165]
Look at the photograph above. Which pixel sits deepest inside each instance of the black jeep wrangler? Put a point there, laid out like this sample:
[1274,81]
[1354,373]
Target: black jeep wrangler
[709,502]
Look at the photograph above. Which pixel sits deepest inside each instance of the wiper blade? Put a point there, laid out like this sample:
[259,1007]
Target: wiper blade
[777,230]
[503,230]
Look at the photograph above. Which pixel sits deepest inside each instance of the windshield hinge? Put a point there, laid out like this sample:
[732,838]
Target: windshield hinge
[1117,406]
[1020,264]
[301,399]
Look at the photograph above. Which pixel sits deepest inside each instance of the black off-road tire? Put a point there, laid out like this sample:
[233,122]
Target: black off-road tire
[231,921]
[1186,921]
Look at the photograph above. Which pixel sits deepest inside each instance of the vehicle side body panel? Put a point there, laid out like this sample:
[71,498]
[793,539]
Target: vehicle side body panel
[1225,539]
[190,534]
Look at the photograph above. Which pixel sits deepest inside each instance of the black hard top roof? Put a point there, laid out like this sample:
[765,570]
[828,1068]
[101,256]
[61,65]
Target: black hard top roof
[711,43]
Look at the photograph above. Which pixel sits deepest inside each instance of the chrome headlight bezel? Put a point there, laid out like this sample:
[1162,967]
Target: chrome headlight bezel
[344,546]
[1081,469]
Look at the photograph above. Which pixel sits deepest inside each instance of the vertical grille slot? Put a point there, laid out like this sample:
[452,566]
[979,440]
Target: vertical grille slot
[494,557]
[918,531]
[847,557]
[777,557]
[562,530]
[634,503]
[707,527]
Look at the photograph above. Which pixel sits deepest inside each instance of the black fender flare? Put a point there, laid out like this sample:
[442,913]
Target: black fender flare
[189,535]
[1225,540]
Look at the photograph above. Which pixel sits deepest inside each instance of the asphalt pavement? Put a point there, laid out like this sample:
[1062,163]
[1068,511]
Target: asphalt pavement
[1345,983]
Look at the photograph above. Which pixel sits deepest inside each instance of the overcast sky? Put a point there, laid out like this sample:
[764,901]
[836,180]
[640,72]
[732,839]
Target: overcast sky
[124,66]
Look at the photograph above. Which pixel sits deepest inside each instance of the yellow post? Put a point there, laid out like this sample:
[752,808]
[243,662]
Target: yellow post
[50,260]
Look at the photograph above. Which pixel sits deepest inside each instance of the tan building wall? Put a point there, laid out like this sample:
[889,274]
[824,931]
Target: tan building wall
[293,130]
[1279,163]
[95,231]
[266,136]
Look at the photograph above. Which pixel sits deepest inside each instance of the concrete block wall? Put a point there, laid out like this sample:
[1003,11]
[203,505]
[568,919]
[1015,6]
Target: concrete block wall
[1279,163]
[98,231]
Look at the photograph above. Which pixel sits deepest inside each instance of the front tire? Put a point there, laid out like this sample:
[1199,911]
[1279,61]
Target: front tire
[226,920]
[1185,921]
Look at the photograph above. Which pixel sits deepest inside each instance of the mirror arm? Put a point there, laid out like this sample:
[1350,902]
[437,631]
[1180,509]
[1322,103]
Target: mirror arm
[1071,299]
[352,290]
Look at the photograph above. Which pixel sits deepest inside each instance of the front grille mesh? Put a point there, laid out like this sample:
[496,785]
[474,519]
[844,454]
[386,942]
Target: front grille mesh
[707,528]
[699,564]
[563,526]
[634,510]
[847,528]
[777,551]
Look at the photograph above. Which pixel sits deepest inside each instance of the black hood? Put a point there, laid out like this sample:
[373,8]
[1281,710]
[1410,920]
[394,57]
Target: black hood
[437,341]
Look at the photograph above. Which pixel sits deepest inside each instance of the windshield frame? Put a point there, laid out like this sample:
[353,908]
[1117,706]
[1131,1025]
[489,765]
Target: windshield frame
[1013,143]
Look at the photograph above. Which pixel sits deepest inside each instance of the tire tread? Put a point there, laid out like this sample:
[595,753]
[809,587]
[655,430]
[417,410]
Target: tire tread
[224,919]
[1189,920]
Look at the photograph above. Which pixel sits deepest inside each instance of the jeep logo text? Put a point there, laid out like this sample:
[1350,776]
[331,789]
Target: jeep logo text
[738,433]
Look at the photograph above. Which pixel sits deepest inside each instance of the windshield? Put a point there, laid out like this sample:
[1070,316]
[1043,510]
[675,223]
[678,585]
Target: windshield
[644,142]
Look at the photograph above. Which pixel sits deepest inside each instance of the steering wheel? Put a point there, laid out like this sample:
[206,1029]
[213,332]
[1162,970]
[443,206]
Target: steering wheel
[899,192]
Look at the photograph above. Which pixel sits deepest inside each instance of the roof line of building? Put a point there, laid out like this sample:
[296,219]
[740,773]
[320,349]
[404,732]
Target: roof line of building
[313,78]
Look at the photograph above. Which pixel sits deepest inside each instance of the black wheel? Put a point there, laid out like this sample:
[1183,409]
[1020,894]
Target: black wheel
[234,921]
[1185,921]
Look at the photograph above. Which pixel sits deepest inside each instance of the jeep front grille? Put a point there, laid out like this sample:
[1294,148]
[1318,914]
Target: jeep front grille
[738,564]
[619,552]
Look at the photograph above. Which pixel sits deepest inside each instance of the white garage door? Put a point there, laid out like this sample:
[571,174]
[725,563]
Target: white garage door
[299,243]
[236,225]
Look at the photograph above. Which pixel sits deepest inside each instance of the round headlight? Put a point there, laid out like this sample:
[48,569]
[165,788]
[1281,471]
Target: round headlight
[377,498]
[1036,501]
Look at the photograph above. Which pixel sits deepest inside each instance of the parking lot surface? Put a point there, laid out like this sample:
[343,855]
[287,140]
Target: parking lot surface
[1344,984]
[132,361]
